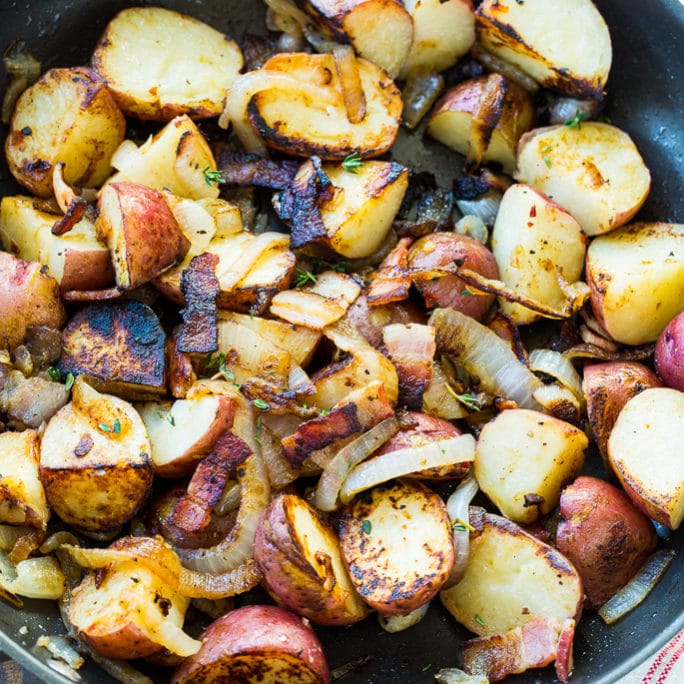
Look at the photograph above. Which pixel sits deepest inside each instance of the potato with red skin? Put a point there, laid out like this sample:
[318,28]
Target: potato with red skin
[444,250]
[603,535]
[255,644]
[669,353]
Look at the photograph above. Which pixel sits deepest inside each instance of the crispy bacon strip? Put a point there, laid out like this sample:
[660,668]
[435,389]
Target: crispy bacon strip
[392,280]
[240,169]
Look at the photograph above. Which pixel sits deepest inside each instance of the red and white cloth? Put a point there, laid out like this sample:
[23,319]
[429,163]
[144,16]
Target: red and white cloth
[665,666]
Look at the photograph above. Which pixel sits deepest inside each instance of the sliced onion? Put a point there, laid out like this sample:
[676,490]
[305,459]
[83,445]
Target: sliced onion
[157,556]
[40,577]
[59,647]
[398,623]
[485,206]
[501,66]
[453,675]
[559,401]
[280,471]
[421,90]
[9,534]
[457,506]
[474,226]
[163,631]
[438,398]
[336,470]
[591,351]
[348,75]
[406,461]
[247,85]
[638,588]
[556,365]
[485,355]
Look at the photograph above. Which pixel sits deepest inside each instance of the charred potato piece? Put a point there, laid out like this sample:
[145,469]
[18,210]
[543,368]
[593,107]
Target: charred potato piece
[496,595]
[77,260]
[67,116]
[28,296]
[397,543]
[22,497]
[158,64]
[94,461]
[255,644]
[299,556]
[119,347]
[603,535]
[575,60]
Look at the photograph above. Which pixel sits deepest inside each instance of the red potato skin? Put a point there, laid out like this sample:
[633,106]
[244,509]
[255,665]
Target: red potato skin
[238,646]
[669,353]
[603,535]
[446,249]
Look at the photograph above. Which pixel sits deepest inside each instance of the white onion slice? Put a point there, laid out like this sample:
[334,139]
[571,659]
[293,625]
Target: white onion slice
[398,623]
[406,461]
[457,507]
[40,577]
[556,365]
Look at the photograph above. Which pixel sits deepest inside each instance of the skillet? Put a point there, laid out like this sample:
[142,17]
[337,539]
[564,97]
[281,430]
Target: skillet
[646,98]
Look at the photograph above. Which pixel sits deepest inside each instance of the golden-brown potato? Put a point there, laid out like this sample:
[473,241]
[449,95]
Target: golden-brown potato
[255,644]
[603,535]
[299,556]
[28,296]
[141,232]
[524,458]
[483,119]
[128,612]
[495,595]
[636,276]
[593,170]
[392,539]
[22,497]
[95,461]
[158,64]
[119,346]
[67,116]
[77,260]
[537,245]
[643,448]
[184,431]
[564,46]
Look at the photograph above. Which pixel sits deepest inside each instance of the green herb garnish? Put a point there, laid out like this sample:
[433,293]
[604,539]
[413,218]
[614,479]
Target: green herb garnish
[260,404]
[171,419]
[352,162]
[479,620]
[366,526]
[462,526]
[212,176]
[577,119]
[117,426]
[69,383]
[304,277]
[104,427]
[54,374]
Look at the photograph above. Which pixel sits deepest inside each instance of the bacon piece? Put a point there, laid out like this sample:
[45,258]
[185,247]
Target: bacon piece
[392,280]
[246,169]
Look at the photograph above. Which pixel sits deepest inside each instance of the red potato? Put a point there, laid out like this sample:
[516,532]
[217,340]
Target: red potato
[669,353]
[439,250]
[603,535]
[254,644]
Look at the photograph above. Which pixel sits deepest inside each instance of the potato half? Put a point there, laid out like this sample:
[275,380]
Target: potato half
[159,64]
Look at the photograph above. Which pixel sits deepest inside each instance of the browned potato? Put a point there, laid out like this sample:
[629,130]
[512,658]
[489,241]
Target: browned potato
[254,644]
[299,556]
[141,232]
[393,538]
[128,332]
[28,296]
[643,448]
[22,497]
[158,64]
[495,595]
[483,119]
[603,535]
[94,461]
[128,612]
[67,116]
[77,260]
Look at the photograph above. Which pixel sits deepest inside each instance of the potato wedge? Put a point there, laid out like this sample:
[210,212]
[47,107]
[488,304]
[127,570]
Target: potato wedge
[593,170]
[564,46]
[537,246]
[77,260]
[523,459]
[67,116]
[22,497]
[28,296]
[296,124]
[397,543]
[496,595]
[158,64]
[300,557]
[643,448]
[443,31]
[637,274]
[95,461]
[119,347]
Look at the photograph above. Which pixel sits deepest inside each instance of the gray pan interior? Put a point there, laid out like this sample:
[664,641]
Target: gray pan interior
[646,99]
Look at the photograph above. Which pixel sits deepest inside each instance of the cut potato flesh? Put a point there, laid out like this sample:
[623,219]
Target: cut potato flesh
[398,546]
[510,578]
[159,64]
[563,45]
[645,450]
[593,170]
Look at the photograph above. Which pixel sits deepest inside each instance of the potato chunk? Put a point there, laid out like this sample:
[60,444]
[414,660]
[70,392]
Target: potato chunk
[67,116]
[159,64]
